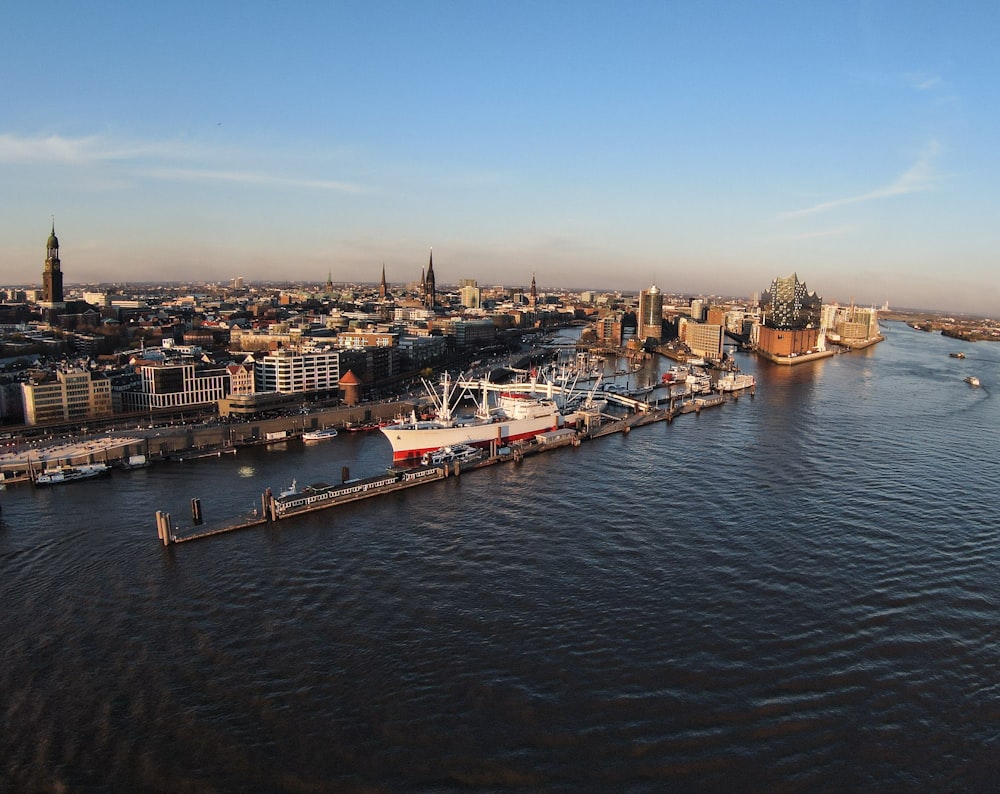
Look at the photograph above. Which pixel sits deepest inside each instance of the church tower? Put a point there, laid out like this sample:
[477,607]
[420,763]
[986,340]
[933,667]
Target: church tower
[383,288]
[430,296]
[533,293]
[52,277]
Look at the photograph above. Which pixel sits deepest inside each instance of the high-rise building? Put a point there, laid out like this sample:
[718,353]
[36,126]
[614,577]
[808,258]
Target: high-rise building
[52,277]
[650,320]
[470,295]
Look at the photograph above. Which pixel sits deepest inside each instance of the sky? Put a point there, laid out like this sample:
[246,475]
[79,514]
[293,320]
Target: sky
[705,147]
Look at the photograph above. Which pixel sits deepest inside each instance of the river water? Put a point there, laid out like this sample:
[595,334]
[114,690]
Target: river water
[793,592]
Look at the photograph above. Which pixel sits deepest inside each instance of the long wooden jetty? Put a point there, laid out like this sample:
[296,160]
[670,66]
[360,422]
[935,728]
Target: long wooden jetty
[321,496]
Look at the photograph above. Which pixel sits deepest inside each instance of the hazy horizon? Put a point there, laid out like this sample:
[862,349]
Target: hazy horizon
[706,148]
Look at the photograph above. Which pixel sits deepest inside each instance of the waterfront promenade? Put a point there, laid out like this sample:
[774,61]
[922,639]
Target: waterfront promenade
[166,442]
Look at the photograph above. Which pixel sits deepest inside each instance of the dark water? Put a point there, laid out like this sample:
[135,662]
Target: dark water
[794,592]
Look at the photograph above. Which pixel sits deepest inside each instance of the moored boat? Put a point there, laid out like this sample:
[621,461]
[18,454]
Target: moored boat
[735,381]
[457,453]
[515,416]
[319,435]
[63,474]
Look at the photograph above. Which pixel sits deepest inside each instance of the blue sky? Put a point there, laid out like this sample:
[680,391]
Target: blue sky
[706,147]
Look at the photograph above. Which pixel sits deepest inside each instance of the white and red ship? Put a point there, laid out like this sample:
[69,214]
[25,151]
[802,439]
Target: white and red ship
[511,416]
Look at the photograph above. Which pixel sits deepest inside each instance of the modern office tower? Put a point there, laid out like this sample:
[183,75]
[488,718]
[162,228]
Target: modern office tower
[650,320]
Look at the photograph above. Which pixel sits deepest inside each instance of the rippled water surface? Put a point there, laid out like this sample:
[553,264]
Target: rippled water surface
[797,591]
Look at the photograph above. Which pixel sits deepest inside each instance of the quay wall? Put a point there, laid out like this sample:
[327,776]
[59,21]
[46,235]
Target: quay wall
[161,442]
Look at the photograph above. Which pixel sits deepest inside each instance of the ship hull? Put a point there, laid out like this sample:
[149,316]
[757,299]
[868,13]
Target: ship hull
[411,442]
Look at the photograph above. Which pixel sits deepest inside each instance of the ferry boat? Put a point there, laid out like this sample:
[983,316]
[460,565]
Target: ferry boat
[63,474]
[514,416]
[319,435]
[735,381]
[972,380]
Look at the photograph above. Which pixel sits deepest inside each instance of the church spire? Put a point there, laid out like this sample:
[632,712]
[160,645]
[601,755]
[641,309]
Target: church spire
[383,288]
[52,277]
[430,296]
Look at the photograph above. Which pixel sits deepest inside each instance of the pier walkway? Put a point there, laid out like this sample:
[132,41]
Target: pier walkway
[322,497]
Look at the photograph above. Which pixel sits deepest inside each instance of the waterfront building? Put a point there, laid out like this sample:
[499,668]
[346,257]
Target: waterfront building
[609,329]
[291,372]
[241,378]
[705,339]
[176,385]
[790,304]
[791,322]
[650,320]
[71,395]
[371,364]
[850,324]
[247,406]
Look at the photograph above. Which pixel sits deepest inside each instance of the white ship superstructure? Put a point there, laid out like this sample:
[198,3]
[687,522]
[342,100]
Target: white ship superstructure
[512,415]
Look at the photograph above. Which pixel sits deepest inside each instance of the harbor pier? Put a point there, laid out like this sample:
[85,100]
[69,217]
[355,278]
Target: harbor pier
[294,502]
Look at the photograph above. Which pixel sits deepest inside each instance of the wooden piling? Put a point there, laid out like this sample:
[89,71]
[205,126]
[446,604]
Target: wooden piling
[196,511]
[163,527]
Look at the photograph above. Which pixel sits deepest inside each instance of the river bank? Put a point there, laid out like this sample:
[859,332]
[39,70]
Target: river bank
[184,442]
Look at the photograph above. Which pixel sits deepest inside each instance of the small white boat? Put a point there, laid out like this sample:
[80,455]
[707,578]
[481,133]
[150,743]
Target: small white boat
[70,473]
[972,380]
[455,453]
[319,435]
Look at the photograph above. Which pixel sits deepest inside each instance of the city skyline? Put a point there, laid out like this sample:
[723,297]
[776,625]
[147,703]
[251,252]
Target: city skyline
[706,149]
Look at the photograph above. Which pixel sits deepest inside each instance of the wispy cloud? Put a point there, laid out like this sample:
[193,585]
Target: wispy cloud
[838,231]
[248,178]
[918,178]
[50,149]
[925,83]
[58,150]
[175,160]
